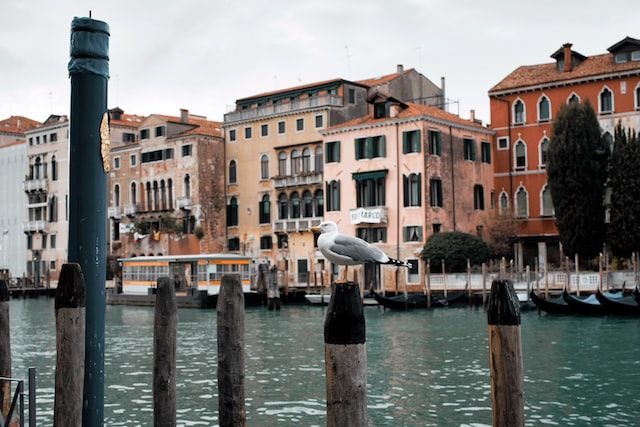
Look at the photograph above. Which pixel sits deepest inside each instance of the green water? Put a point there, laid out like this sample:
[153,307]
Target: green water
[425,368]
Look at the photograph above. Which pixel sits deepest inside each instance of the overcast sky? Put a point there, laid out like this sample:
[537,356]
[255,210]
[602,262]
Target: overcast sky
[203,55]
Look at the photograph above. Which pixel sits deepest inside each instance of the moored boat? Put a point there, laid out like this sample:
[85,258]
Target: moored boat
[586,304]
[618,303]
[415,300]
[553,305]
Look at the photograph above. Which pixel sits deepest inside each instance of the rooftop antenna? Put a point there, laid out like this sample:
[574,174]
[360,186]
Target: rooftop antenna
[89,13]
[346,48]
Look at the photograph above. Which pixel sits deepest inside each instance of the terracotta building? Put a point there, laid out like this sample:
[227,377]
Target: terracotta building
[401,173]
[523,107]
[166,185]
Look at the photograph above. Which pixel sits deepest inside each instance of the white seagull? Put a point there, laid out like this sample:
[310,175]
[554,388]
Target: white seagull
[347,250]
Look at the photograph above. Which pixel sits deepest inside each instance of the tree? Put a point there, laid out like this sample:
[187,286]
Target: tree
[455,248]
[577,167]
[502,234]
[624,181]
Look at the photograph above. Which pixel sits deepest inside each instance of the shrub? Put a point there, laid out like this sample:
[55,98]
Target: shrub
[199,232]
[455,248]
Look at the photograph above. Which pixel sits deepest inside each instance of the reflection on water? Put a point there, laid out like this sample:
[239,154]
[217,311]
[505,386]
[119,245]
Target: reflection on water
[425,368]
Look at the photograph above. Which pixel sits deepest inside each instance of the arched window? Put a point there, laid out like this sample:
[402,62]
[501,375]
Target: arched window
[232,212]
[156,196]
[283,206]
[163,195]
[38,167]
[522,203]
[319,159]
[518,112]
[544,109]
[295,205]
[306,160]
[187,186]
[116,195]
[295,162]
[264,167]
[608,139]
[307,204]
[520,155]
[170,192]
[546,203]
[503,205]
[333,196]
[53,209]
[133,194]
[573,98]
[265,210]
[149,200]
[54,169]
[232,172]
[282,163]
[318,202]
[605,100]
[412,189]
[544,146]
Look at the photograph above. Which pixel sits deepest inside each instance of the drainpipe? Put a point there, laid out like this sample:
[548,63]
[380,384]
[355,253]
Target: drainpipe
[453,179]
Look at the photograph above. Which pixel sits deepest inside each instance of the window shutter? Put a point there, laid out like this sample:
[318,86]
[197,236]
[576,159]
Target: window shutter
[383,146]
[404,142]
[357,147]
[368,148]
[336,151]
[418,142]
[405,190]
[337,207]
[327,191]
[419,190]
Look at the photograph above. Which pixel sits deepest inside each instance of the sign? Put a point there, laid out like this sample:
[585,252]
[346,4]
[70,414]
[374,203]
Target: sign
[368,215]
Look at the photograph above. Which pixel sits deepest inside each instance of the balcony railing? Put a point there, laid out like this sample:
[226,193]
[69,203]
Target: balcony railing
[35,184]
[130,210]
[287,107]
[297,180]
[291,225]
[184,203]
[114,212]
[33,226]
[369,215]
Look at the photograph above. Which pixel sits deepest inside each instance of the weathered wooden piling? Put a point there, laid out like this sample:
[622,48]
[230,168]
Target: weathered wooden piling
[444,279]
[428,283]
[345,358]
[577,275]
[469,294]
[484,284]
[230,318]
[273,293]
[165,328]
[70,330]
[5,348]
[505,355]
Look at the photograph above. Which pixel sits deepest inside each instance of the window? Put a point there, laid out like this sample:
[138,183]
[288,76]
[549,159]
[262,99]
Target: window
[116,162]
[283,206]
[295,205]
[333,196]
[134,196]
[307,204]
[620,57]
[412,233]
[133,160]
[44,139]
[265,210]
[370,191]
[31,141]
[352,96]
[478,197]
[411,142]
[232,135]
[54,137]
[299,125]
[266,242]
[379,110]
[264,130]
[319,159]
[281,128]
[333,151]
[635,55]
[232,212]
[318,203]
[160,131]
[503,206]
[128,137]
[53,209]
[522,208]
[234,244]
[54,169]
[370,147]
[413,274]
[544,146]
[520,153]
[282,163]
[637,97]
[573,98]
[435,148]
[319,121]
[485,152]
[605,101]
[372,234]
[186,150]
[412,189]
[546,203]
[518,112]
[116,195]
[157,155]
[29,241]
[247,133]
[435,193]
[52,265]
[503,143]
[232,172]
[187,186]
[436,228]
[295,162]
[469,149]
[306,160]
[544,109]
[37,140]
[303,271]
[264,167]
[52,241]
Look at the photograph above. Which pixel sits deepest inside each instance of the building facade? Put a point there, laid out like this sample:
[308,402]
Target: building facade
[401,173]
[523,107]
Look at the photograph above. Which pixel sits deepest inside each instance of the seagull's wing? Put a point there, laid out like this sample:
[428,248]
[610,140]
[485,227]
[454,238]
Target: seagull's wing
[357,249]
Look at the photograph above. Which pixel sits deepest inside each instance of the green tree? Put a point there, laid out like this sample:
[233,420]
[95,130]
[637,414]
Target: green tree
[624,181]
[577,169]
[455,248]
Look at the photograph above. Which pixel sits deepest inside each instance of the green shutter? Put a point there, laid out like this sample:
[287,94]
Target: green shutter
[405,190]
[419,189]
[405,144]
[368,148]
[382,146]
[418,142]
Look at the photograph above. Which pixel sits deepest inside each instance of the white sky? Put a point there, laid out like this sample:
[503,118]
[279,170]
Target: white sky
[203,55]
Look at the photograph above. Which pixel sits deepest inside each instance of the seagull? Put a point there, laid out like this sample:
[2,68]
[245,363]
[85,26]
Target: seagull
[348,250]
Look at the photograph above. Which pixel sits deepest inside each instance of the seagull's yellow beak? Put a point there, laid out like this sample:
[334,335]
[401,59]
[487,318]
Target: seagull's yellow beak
[315,229]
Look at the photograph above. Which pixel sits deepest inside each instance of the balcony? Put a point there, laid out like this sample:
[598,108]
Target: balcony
[291,225]
[114,212]
[33,226]
[131,210]
[288,107]
[369,215]
[35,184]
[297,180]
[184,203]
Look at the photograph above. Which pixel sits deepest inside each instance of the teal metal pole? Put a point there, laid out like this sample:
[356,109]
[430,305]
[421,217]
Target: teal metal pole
[88,167]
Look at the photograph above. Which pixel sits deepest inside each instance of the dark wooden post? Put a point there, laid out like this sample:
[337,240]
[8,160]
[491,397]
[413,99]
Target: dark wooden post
[88,167]
[273,293]
[505,355]
[484,284]
[5,348]
[165,326]
[70,324]
[428,283]
[230,315]
[345,358]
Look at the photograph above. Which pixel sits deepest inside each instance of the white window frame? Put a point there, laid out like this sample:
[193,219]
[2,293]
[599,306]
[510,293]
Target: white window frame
[297,120]
[500,204]
[407,277]
[613,101]
[553,210]
[235,130]
[135,160]
[267,135]
[513,112]
[278,127]
[515,201]
[498,143]
[116,162]
[538,108]
[540,164]
[131,202]
[515,156]
[268,166]
[314,121]
[244,133]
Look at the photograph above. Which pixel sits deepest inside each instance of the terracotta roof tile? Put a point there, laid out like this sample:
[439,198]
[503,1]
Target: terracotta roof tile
[382,79]
[17,124]
[130,120]
[291,89]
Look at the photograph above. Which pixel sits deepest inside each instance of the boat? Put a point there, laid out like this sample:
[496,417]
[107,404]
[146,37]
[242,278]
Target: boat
[414,300]
[553,305]
[324,299]
[618,303]
[586,304]
[636,294]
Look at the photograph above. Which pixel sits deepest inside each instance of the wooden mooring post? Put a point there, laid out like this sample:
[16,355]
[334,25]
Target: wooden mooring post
[484,284]
[428,283]
[70,330]
[230,318]
[577,275]
[5,348]
[469,281]
[273,293]
[444,280]
[505,355]
[345,358]
[165,329]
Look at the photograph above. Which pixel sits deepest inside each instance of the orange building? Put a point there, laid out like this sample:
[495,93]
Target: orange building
[523,107]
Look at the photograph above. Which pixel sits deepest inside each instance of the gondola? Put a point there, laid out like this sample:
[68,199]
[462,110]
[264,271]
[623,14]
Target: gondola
[617,303]
[636,294]
[414,300]
[553,305]
[587,304]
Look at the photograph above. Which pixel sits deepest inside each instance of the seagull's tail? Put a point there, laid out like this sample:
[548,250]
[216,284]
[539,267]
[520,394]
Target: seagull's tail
[398,263]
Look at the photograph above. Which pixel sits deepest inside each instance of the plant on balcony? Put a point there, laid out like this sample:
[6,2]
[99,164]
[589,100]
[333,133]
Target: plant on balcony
[199,232]
[141,226]
[455,248]
[169,224]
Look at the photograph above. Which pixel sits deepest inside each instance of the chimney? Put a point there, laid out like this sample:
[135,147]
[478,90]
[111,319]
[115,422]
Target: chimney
[18,123]
[567,57]
[443,99]
[184,115]
[472,116]
[394,109]
[399,69]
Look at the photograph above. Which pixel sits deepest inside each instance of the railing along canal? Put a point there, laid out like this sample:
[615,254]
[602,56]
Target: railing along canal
[18,399]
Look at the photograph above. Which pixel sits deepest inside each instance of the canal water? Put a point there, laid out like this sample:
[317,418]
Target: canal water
[424,367]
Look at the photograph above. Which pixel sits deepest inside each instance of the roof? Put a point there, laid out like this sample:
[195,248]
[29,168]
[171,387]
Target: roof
[12,143]
[129,120]
[375,81]
[292,89]
[17,124]
[412,110]
[188,258]
[201,126]
[540,74]
[624,41]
